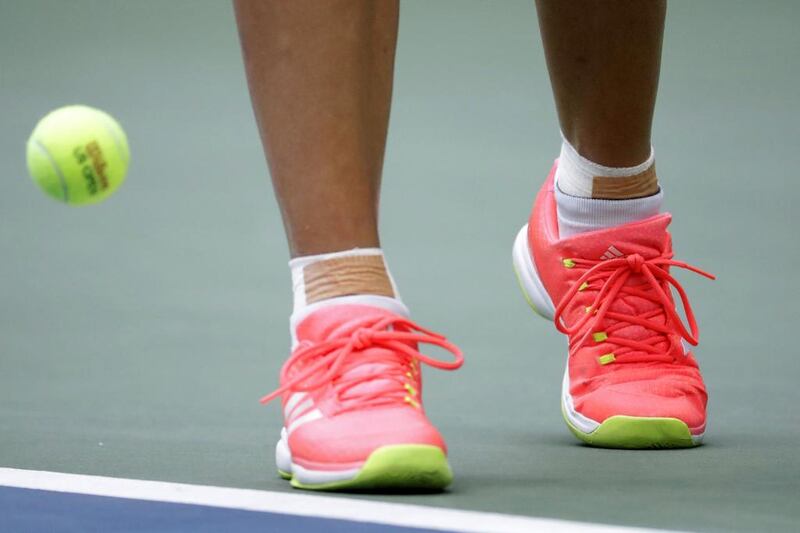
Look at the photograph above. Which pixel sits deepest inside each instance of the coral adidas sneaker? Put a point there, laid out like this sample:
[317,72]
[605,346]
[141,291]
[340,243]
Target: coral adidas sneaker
[630,381]
[352,401]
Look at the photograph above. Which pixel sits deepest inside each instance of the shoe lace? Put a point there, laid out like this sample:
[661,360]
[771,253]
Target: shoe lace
[329,363]
[610,278]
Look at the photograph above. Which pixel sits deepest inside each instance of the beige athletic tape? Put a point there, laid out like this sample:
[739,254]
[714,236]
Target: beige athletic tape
[627,187]
[344,276]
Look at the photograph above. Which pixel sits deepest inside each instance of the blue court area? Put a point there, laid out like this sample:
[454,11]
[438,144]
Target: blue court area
[38,511]
[51,501]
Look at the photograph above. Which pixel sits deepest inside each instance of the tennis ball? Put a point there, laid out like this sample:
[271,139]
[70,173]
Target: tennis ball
[78,154]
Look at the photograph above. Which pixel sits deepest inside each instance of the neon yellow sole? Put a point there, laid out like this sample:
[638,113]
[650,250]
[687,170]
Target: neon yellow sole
[637,433]
[396,467]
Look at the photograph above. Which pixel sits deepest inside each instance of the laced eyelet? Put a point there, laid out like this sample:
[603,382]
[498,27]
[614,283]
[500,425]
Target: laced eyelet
[606,359]
[411,401]
[612,279]
[329,365]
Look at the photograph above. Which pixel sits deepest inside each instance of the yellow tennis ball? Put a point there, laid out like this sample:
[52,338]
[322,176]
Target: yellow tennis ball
[78,154]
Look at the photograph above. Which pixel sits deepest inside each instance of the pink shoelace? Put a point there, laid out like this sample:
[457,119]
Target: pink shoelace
[613,276]
[329,363]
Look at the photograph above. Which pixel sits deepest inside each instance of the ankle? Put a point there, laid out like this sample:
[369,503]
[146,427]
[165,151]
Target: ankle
[580,177]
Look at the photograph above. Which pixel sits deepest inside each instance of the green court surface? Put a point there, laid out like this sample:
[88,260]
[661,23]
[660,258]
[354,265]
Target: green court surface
[137,335]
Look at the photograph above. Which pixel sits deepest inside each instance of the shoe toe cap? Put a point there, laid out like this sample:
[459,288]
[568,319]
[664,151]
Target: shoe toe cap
[661,398]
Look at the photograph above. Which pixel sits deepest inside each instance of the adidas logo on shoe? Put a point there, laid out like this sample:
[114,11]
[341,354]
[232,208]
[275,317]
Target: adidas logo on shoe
[611,253]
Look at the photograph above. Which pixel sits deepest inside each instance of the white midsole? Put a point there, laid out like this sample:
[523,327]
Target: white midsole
[306,476]
[529,278]
[543,304]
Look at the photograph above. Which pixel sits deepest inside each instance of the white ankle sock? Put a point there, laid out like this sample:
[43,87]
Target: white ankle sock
[579,215]
[345,274]
[578,212]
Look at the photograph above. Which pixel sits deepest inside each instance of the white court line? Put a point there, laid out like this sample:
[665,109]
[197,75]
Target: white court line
[296,504]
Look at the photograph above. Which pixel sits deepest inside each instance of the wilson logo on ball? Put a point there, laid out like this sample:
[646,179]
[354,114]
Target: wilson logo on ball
[93,166]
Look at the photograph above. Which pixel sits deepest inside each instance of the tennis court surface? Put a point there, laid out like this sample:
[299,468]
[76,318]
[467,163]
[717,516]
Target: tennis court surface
[137,335]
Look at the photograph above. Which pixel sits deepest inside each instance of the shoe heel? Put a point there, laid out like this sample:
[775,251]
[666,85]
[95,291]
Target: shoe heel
[529,282]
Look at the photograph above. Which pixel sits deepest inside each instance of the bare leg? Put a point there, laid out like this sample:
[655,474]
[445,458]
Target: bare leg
[604,59]
[320,76]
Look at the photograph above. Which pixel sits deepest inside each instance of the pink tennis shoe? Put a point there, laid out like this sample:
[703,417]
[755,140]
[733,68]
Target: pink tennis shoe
[352,402]
[631,381]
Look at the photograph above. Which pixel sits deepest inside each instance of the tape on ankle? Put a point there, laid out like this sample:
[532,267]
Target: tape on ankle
[345,276]
[625,187]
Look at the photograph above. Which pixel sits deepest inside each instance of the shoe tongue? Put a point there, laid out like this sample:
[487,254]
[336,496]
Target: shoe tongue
[648,238]
[376,384]
[337,321]
[340,321]
[316,322]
